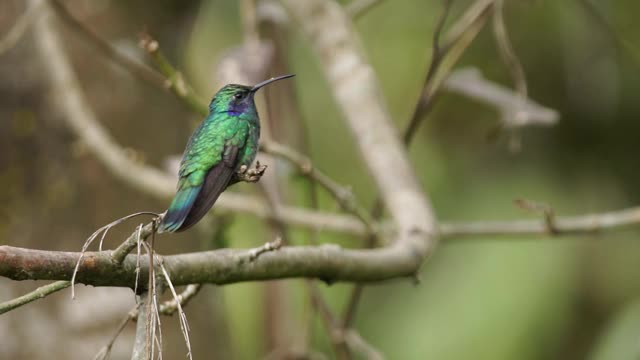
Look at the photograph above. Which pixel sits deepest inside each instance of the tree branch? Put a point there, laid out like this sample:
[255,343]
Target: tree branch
[139,70]
[327,262]
[341,194]
[357,93]
[142,343]
[470,83]
[20,27]
[562,226]
[36,294]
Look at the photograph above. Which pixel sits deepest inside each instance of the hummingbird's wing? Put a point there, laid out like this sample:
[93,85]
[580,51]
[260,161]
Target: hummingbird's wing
[195,197]
[215,183]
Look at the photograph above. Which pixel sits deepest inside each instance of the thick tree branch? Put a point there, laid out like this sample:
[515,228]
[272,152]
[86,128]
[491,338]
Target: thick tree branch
[328,262]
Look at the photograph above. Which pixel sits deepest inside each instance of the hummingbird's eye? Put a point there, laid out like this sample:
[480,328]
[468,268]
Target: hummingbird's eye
[238,96]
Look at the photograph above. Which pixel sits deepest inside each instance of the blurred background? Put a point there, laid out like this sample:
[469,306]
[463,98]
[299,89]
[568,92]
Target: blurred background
[481,298]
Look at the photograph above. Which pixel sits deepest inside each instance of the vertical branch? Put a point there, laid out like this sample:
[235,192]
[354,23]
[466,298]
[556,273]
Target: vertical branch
[355,89]
[437,55]
[443,58]
[141,345]
[511,61]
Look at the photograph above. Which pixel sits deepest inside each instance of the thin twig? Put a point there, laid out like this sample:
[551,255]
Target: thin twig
[470,83]
[105,351]
[174,78]
[341,194]
[20,27]
[343,339]
[151,302]
[169,307]
[104,230]
[445,56]
[507,52]
[132,241]
[39,293]
[518,116]
[437,54]
[184,325]
[357,343]
[139,70]
[334,331]
[267,247]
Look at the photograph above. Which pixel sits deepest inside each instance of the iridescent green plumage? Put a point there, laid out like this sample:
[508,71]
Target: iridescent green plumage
[226,139]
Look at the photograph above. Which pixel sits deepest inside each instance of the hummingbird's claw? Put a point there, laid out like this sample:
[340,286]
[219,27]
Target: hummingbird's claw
[251,175]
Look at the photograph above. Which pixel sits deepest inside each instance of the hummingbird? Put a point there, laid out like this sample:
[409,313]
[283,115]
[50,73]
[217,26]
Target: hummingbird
[217,155]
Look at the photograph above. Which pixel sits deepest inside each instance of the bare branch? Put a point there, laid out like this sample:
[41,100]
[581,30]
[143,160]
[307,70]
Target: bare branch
[36,294]
[20,27]
[356,342]
[511,120]
[267,247]
[584,224]
[356,91]
[169,307]
[174,78]
[132,242]
[470,83]
[445,56]
[139,70]
[184,325]
[326,262]
[341,194]
[329,321]
[425,100]
[105,351]
[507,53]
[141,345]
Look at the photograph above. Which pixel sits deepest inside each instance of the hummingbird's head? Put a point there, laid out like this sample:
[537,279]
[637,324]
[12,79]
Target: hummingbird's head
[238,99]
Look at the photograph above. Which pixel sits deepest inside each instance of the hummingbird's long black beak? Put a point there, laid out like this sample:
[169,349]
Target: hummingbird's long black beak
[269,81]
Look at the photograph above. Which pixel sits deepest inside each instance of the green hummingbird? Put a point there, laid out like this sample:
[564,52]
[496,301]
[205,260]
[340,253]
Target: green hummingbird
[222,147]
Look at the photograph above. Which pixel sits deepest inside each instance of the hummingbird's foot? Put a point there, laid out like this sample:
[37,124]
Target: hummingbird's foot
[251,175]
